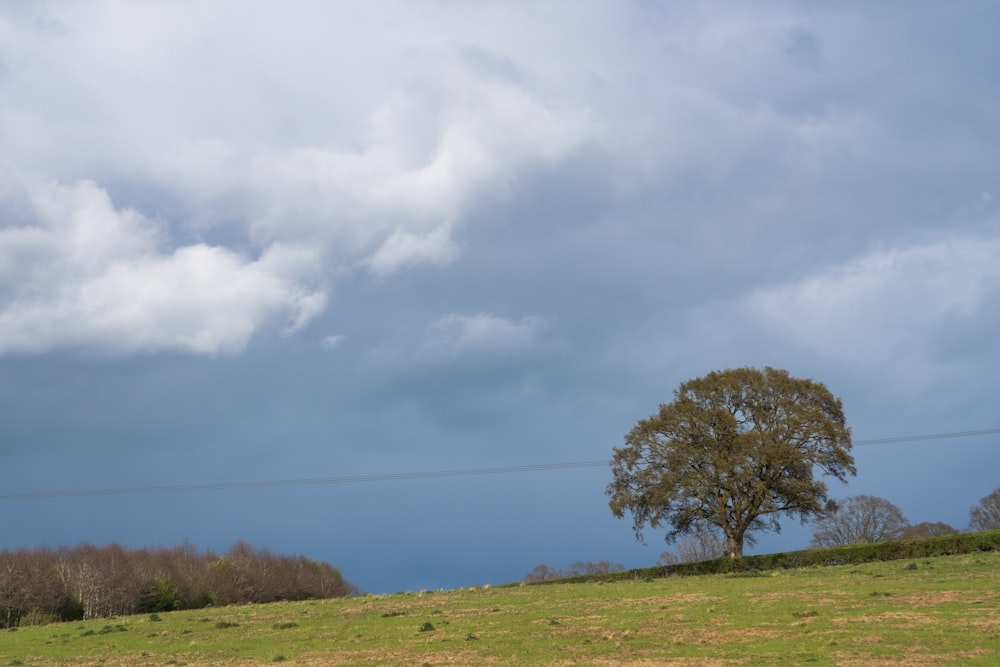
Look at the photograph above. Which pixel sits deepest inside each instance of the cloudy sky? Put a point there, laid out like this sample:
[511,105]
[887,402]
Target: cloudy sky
[255,241]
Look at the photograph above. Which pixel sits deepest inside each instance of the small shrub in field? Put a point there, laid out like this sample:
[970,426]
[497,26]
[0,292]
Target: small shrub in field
[222,625]
[427,627]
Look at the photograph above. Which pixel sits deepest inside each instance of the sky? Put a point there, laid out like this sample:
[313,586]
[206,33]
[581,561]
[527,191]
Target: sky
[246,242]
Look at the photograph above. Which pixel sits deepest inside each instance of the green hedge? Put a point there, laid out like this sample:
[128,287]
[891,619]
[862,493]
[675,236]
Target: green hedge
[946,545]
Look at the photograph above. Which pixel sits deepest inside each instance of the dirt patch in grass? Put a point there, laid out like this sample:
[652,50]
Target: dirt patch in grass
[990,623]
[854,659]
[743,635]
[687,597]
[898,619]
[931,598]
[400,657]
[660,662]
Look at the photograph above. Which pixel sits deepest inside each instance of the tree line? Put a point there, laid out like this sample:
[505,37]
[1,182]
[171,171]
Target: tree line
[41,585]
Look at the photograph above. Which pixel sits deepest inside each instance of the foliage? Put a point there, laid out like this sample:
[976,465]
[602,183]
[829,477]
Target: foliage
[735,450]
[986,515]
[88,582]
[858,520]
[158,595]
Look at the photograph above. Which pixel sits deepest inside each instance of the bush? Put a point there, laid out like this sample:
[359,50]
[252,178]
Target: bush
[158,595]
[70,610]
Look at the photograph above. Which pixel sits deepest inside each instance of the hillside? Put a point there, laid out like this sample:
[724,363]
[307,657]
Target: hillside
[929,611]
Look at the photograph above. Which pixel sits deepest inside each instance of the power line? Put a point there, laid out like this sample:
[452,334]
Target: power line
[313,481]
[933,436]
[394,477]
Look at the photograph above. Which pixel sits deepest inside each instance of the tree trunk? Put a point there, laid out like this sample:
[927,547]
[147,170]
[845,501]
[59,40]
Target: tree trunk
[734,545]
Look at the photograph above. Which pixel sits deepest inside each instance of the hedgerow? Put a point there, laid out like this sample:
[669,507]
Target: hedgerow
[854,554]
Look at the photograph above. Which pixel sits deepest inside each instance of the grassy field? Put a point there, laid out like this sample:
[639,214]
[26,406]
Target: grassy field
[935,611]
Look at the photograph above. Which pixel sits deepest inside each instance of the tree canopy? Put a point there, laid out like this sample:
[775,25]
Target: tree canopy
[735,449]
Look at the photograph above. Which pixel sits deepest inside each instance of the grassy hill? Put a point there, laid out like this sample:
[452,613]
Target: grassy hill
[932,611]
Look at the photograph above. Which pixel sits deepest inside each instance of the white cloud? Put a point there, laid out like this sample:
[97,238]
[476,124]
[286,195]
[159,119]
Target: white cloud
[333,341]
[366,138]
[881,314]
[369,134]
[404,249]
[397,199]
[76,271]
[366,144]
[483,333]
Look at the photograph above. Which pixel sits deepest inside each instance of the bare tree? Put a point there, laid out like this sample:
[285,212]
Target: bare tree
[668,558]
[543,572]
[576,569]
[581,569]
[703,544]
[927,529]
[859,520]
[42,585]
[13,589]
[986,515]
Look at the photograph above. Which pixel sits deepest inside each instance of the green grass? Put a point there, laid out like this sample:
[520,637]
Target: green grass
[934,611]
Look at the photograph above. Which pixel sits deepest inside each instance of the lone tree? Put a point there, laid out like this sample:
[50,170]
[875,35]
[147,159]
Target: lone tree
[859,520]
[735,450]
[986,515]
